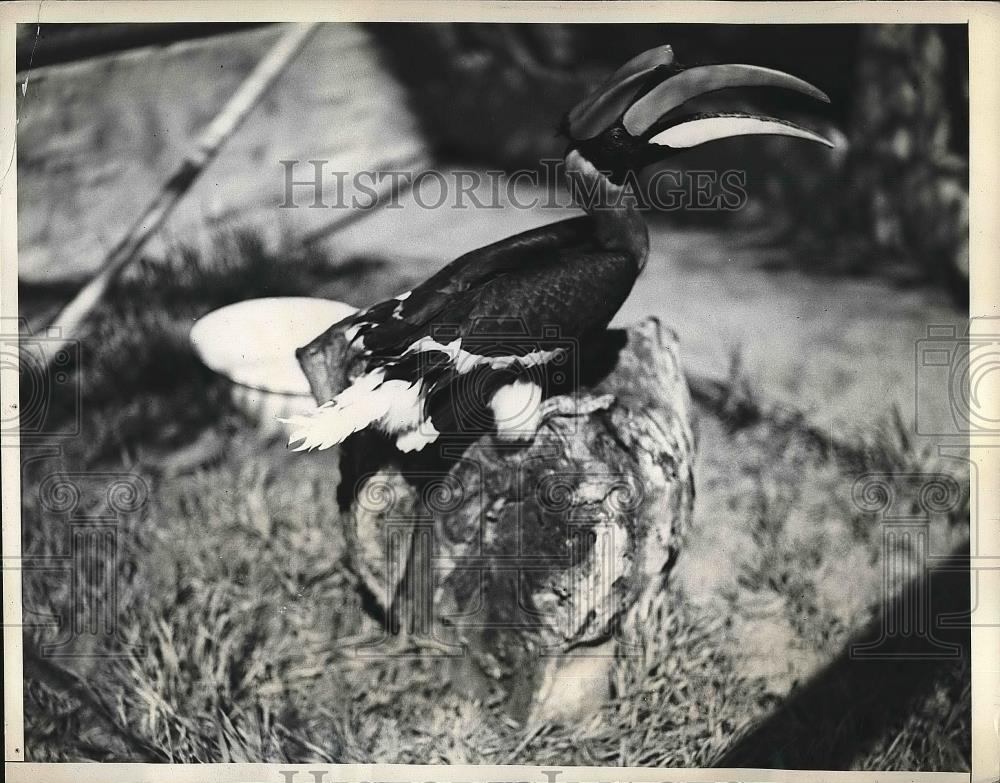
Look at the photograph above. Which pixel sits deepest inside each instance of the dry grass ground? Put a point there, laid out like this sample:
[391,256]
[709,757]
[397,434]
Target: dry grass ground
[231,592]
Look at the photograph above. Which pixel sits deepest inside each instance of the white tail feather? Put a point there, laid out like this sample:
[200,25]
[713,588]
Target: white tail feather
[395,406]
[353,409]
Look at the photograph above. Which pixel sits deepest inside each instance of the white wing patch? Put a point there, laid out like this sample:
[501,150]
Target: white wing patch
[415,440]
[406,409]
[516,410]
[397,311]
[464,361]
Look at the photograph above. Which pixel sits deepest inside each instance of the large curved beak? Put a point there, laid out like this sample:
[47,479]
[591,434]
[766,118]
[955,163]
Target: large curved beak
[645,118]
[626,98]
[701,128]
[602,108]
[703,79]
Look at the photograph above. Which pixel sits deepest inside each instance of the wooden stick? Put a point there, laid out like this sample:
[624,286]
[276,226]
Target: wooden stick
[205,149]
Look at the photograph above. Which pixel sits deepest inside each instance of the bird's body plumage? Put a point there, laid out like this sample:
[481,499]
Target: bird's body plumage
[479,344]
[496,316]
[556,274]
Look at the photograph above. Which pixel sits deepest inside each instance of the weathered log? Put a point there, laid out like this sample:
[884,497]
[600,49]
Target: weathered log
[533,565]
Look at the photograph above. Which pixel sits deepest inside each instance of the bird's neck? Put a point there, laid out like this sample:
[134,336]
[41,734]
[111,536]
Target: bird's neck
[619,224]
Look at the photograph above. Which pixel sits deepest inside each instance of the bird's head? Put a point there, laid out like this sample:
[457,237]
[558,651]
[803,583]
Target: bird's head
[633,119]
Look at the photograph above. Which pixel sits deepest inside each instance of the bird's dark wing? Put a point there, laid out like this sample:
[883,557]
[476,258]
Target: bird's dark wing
[556,280]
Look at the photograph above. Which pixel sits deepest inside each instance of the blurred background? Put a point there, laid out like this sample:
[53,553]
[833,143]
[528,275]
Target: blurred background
[803,310]
[116,104]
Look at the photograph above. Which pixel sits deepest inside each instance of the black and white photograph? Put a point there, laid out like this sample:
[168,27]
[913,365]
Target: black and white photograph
[495,391]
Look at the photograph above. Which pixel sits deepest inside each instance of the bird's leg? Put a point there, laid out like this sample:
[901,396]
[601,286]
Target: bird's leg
[520,411]
[574,405]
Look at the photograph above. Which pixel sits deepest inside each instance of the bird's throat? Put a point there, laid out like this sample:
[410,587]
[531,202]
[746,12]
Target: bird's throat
[613,207]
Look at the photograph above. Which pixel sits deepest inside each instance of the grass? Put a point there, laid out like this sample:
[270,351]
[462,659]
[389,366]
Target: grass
[232,596]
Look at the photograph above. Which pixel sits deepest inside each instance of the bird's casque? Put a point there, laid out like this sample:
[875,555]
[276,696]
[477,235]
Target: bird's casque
[480,344]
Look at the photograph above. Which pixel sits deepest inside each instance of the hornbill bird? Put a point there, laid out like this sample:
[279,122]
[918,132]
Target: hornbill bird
[485,340]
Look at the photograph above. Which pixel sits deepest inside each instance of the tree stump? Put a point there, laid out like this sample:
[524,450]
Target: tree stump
[531,565]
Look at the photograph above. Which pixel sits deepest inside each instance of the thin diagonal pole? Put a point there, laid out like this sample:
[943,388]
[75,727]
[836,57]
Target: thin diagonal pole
[204,150]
